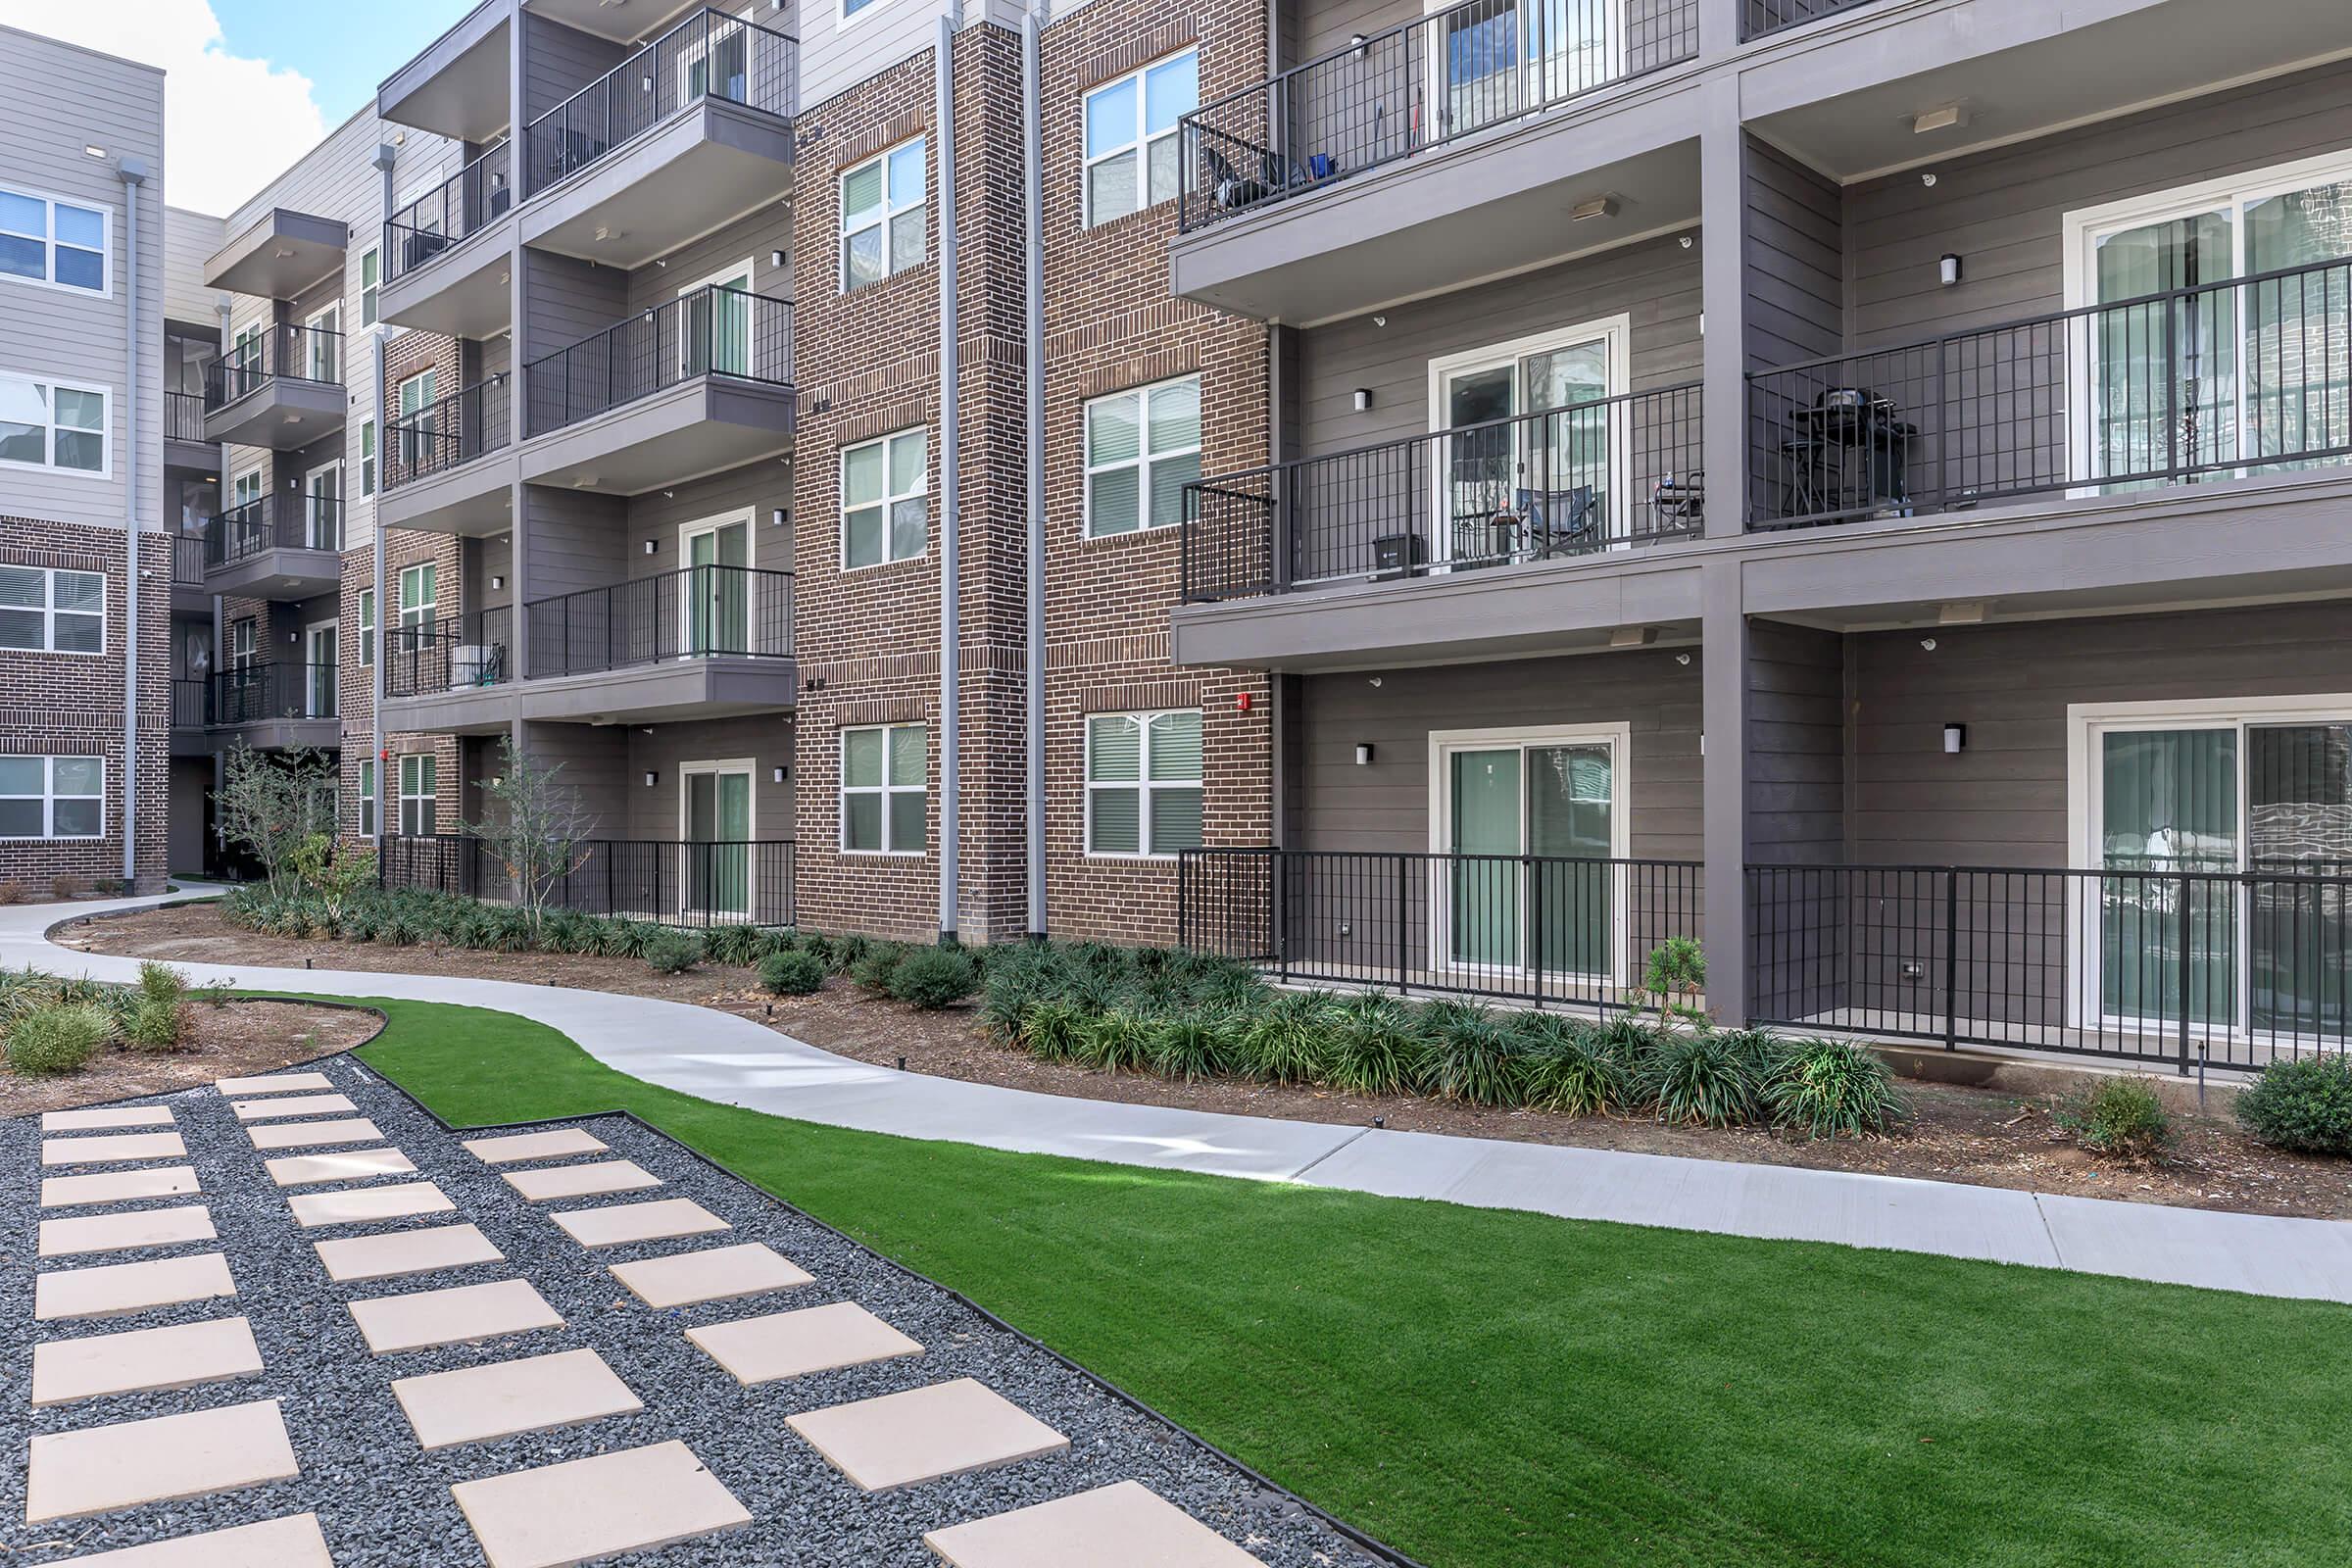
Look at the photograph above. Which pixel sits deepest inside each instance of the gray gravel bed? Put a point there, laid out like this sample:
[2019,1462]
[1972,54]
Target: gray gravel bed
[383,1503]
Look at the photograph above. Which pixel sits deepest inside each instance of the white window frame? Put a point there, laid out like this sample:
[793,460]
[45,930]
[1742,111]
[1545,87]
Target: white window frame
[367,798]
[421,613]
[49,799]
[309,495]
[715,279]
[846,14]
[372,294]
[366,632]
[1146,787]
[49,613]
[888,210]
[328,318]
[883,791]
[890,498]
[105,431]
[106,244]
[310,640]
[424,759]
[368,457]
[1140,143]
[1142,462]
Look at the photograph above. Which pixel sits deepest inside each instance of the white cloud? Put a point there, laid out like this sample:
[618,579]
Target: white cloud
[230,123]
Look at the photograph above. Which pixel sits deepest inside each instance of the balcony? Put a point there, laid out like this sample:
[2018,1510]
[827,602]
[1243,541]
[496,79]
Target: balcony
[690,131]
[276,706]
[692,386]
[2245,380]
[191,716]
[282,254]
[1481,538]
[435,474]
[675,882]
[1759,19]
[451,676]
[184,443]
[283,389]
[1356,178]
[457,86]
[707,642]
[282,546]
[189,595]
[442,273]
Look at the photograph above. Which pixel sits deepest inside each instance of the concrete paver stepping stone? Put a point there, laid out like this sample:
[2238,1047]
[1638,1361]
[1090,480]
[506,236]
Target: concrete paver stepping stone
[711,1274]
[103,1149]
[510,1148]
[290,1106]
[143,1359]
[274,1083]
[118,1185]
[623,1223]
[462,1314]
[116,1233]
[162,1460]
[1126,1523]
[293,1541]
[947,1429]
[792,1345]
[309,1133]
[353,1205]
[105,1118]
[476,1403]
[633,1501]
[110,1290]
[397,1252]
[354,1165]
[581,1180]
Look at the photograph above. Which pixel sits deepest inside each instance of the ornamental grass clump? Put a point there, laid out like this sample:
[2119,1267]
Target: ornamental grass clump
[58,1039]
[1050,1028]
[791,974]
[1700,1080]
[674,952]
[1289,1040]
[1194,1045]
[1832,1089]
[1467,1054]
[1116,1041]
[1570,1068]
[2303,1105]
[1374,1047]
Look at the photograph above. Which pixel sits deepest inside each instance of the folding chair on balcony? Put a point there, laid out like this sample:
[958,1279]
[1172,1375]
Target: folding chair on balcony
[1560,523]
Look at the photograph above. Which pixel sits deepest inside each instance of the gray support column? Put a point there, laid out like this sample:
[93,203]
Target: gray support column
[133,171]
[518,342]
[1034,212]
[1723,727]
[1718,27]
[1723,198]
[950,617]
[386,614]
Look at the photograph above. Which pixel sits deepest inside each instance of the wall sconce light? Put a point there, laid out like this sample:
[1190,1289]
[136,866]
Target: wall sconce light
[498,579]
[776,258]
[652,779]
[1950,265]
[1363,753]
[777,518]
[1364,398]
[777,774]
[1955,736]
[652,545]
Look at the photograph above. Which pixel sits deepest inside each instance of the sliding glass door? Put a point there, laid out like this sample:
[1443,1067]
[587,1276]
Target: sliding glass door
[1526,472]
[717,832]
[1531,827]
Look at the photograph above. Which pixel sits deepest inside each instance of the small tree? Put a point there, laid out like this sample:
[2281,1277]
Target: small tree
[1677,970]
[537,827]
[334,870]
[269,806]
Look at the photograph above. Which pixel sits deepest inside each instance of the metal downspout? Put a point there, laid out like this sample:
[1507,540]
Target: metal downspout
[1033,194]
[950,736]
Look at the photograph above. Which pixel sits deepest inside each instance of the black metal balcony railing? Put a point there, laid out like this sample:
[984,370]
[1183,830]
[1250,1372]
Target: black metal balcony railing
[260,691]
[454,654]
[2214,382]
[283,519]
[191,701]
[1412,88]
[2152,960]
[187,558]
[708,55]
[707,331]
[676,883]
[695,612]
[1526,928]
[1760,16]
[294,353]
[448,433]
[183,416]
[468,201]
[1558,485]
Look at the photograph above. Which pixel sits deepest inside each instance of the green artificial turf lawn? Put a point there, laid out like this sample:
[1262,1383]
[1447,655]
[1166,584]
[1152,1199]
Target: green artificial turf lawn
[1488,1387]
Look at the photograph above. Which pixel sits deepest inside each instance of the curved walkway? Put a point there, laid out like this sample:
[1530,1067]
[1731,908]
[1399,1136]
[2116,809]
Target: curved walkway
[719,1056]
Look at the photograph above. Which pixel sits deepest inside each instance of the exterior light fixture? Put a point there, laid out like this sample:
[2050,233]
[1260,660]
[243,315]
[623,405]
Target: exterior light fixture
[1943,119]
[652,779]
[779,516]
[1363,753]
[1950,269]
[651,546]
[498,579]
[1593,207]
[1955,736]
[1364,398]
[777,774]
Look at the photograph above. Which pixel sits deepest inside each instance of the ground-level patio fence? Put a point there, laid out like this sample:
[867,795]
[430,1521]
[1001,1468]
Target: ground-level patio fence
[672,882]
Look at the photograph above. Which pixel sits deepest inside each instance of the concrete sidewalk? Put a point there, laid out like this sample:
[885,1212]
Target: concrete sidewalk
[736,1062]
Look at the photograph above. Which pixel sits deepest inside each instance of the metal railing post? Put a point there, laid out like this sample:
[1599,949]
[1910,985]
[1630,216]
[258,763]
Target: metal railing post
[1282,913]
[2188,971]
[1404,918]
[1952,959]
[1527,873]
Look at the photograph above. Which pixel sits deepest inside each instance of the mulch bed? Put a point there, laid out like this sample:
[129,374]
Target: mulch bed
[1985,1136]
[233,1040]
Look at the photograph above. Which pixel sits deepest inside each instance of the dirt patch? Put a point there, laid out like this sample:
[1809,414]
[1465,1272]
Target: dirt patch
[1960,1134]
[232,1040]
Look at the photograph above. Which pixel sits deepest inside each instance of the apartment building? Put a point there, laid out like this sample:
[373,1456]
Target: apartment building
[1859,486]
[84,568]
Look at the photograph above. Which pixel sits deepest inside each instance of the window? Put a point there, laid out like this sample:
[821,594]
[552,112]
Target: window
[884,500]
[417,601]
[52,797]
[413,432]
[43,610]
[367,797]
[44,240]
[1141,449]
[1142,783]
[372,277]
[883,216]
[1131,153]
[885,799]
[366,627]
[417,802]
[50,424]
[849,8]
[367,456]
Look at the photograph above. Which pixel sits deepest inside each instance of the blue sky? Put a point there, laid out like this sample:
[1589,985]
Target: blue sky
[345,46]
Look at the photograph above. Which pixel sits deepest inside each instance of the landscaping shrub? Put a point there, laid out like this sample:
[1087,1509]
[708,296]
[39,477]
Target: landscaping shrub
[12,892]
[930,978]
[1374,1047]
[2303,1105]
[1832,1089]
[2121,1119]
[160,982]
[1700,1080]
[1569,1067]
[625,938]
[1194,1045]
[1115,1040]
[791,974]
[1289,1040]
[817,946]
[846,951]
[736,944]
[56,1038]
[158,1024]
[674,952]
[1675,971]
[1050,1028]
[62,888]
[1466,1055]
[874,966]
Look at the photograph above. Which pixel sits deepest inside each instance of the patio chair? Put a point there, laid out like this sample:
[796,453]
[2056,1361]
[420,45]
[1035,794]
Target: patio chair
[1232,190]
[1561,523]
